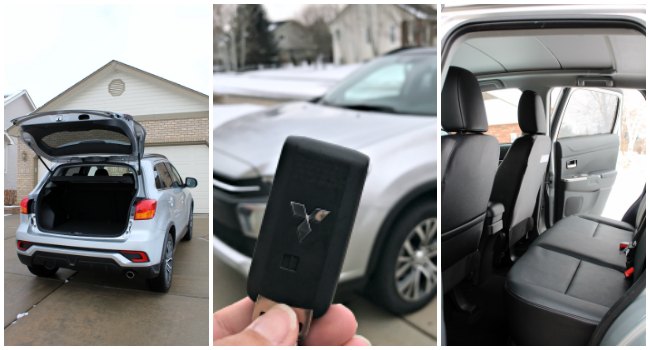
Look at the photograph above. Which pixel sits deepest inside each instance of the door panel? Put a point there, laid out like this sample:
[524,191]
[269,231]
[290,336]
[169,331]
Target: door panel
[585,168]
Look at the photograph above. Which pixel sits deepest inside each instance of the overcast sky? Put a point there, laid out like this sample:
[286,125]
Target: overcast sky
[48,48]
[281,12]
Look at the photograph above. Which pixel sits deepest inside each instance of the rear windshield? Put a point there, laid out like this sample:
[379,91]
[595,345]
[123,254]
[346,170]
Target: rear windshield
[67,138]
[95,170]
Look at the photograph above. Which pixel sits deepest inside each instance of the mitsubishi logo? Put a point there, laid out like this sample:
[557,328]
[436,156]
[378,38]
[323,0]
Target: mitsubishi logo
[316,216]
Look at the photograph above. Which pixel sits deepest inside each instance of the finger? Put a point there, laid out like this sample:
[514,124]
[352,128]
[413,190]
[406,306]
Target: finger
[358,340]
[232,319]
[336,327]
[278,326]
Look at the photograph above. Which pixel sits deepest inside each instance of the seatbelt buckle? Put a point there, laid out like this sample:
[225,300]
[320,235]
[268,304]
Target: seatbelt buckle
[629,272]
[623,245]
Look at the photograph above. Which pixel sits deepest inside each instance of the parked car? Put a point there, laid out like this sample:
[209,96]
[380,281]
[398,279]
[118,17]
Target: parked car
[526,257]
[104,204]
[386,110]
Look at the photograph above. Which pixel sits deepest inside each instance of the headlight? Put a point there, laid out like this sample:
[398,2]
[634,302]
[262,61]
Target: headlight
[250,217]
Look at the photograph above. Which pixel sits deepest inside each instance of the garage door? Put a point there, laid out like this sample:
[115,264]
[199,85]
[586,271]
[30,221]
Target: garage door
[190,161]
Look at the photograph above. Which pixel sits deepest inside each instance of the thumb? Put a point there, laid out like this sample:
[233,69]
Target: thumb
[278,326]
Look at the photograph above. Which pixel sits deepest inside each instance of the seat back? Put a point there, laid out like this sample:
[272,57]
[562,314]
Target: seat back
[468,163]
[520,175]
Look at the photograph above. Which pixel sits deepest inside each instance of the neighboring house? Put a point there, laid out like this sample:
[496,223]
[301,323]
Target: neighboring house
[363,32]
[175,117]
[16,105]
[295,42]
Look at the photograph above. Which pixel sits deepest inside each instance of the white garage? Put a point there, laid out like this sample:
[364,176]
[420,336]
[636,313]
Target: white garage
[189,160]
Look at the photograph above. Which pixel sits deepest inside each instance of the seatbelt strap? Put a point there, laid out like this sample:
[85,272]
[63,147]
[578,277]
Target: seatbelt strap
[631,248]
[617,309]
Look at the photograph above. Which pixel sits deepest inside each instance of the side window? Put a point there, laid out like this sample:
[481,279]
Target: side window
[177,181]
[162,177]
[589,112]
[501,108]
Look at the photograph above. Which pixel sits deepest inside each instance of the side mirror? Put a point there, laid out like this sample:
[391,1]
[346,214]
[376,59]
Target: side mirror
[190,182]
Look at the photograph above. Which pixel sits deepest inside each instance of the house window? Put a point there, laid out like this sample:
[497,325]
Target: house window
[338,35]
[368,36]
[393,33]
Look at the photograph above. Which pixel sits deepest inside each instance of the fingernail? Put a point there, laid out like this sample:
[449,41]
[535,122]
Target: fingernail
[362,338]
[276,324]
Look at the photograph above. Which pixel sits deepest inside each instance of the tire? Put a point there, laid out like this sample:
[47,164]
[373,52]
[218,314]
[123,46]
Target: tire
[42,271]
[190,226]
[408,284]
[163,281]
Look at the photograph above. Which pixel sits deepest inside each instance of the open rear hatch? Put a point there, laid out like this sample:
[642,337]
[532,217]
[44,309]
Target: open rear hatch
[61,135]
[93,191]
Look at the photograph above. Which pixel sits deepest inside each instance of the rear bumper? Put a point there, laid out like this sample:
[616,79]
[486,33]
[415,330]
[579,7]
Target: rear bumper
[78,262]
[75,259]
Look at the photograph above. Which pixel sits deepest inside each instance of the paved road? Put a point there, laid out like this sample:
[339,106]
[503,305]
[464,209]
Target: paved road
[86,309]
[379,326]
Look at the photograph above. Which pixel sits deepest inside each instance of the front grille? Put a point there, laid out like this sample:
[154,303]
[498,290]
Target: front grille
[234,239]
[241,188]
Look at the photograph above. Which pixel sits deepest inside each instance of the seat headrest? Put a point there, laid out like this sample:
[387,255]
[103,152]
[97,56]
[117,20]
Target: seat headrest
[532,119]
[101,172]
[462,108]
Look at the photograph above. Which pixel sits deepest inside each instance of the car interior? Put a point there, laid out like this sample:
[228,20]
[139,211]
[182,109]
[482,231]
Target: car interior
[527,258]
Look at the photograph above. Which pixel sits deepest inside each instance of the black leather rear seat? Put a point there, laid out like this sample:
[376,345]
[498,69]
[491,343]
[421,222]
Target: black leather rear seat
[561,288]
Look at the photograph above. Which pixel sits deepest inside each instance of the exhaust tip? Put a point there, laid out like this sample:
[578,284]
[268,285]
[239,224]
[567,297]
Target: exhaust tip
[129,274]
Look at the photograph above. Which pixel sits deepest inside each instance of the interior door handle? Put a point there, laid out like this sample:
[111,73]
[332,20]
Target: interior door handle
[571,163]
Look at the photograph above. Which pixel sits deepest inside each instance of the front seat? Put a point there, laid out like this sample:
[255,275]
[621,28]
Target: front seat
[520,175]
[469,162]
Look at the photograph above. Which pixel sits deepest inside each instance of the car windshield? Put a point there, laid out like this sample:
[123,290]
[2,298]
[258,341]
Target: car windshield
[400,84]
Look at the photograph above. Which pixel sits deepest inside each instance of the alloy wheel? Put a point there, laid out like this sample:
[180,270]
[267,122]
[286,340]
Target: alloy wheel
[416,266]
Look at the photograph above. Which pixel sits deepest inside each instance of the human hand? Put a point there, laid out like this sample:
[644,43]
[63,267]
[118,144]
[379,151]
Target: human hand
[279,326]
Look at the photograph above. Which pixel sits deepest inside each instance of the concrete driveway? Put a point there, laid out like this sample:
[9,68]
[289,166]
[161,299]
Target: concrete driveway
[82,308]
[379,326]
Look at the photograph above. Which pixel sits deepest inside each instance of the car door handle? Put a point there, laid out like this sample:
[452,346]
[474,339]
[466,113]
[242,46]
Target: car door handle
[571,163]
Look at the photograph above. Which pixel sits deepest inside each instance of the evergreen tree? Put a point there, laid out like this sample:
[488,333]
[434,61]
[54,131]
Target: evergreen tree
[255,42]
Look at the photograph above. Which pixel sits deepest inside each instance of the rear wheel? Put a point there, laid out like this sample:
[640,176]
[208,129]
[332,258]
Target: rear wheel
[405,278]
[163,281]
[42,271]
[190,226]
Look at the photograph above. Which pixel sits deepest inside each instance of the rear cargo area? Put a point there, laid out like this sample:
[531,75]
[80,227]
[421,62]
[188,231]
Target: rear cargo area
[81,205]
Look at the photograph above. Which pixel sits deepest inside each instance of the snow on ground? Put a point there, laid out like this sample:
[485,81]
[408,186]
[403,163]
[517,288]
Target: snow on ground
[295,83]
[224,113]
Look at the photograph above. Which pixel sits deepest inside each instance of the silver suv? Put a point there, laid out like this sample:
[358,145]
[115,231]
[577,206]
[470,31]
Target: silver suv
[104,204]
[386,110]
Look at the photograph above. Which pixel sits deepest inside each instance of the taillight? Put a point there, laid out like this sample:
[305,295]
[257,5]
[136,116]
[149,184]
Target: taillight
[23,245]
[25,206]
[145,209]
[135,256]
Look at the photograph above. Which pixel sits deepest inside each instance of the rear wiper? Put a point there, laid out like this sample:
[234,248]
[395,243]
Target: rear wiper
[364,107]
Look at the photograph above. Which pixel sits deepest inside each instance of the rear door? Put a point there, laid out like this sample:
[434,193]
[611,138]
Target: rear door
[585,151]
[181,205]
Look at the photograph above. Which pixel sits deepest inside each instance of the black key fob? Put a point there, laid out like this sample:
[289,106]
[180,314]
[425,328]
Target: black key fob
[306,227]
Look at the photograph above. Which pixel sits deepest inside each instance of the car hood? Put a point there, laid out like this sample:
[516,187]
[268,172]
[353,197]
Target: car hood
[250,145]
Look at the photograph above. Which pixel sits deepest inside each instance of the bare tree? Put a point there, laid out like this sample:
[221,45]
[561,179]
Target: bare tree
[224,46]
